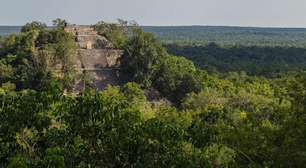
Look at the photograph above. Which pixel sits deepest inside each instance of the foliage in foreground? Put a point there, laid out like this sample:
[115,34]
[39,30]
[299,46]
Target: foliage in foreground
[228,125]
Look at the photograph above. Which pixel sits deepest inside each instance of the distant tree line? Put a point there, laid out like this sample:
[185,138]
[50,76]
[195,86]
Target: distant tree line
[255,60]
[229,36]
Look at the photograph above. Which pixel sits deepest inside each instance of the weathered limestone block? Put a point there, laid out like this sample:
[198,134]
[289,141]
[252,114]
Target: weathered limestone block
[96,58]
[86,34]
[100,79]
[97,42]
[99,58]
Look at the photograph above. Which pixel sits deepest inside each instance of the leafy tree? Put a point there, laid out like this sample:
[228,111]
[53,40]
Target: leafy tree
[290,136]
[6,70]
[39,26]
[60,23]
[106,124]
[65,51]
[134,93]
[116,33]
[142,54]
[175,78]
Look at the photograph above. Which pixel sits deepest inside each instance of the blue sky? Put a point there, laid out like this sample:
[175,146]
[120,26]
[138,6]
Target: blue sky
[263,13]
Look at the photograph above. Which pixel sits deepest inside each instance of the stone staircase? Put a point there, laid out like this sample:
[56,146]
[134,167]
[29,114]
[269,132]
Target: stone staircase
[96,58]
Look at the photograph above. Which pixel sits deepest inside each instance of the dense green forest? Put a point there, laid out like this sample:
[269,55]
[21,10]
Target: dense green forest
[257,51]
[202,118]
[229,36]
[255,60]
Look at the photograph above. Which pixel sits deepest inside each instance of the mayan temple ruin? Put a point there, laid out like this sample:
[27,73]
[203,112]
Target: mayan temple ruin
[97,58]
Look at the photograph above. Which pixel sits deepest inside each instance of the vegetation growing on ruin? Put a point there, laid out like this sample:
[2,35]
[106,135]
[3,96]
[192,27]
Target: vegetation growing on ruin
[202,119]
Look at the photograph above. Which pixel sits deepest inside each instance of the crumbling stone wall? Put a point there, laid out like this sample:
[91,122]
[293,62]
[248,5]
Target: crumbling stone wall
[96,58]
[99,58]
[85,35]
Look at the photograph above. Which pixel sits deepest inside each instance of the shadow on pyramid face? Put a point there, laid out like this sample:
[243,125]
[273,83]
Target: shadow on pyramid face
[97,58]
